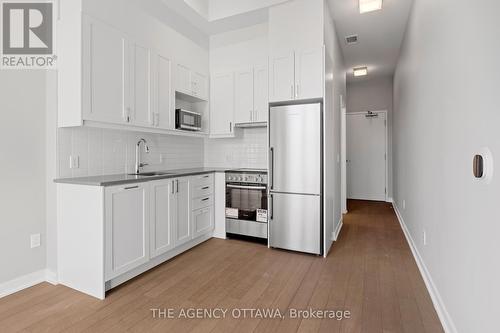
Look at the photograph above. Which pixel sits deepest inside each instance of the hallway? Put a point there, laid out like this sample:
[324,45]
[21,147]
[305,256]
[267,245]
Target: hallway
[369,272]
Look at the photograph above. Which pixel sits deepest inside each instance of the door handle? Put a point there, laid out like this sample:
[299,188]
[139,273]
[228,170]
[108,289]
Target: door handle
[271,208]
[271,167]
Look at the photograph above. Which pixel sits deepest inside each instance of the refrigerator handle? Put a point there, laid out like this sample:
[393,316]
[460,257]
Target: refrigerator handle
[271,213]
[271,169]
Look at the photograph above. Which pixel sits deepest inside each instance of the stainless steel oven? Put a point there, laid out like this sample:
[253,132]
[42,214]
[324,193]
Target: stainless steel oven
[187,120]
[246,203]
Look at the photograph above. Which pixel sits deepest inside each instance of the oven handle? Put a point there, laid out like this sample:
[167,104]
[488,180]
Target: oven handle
[247,187]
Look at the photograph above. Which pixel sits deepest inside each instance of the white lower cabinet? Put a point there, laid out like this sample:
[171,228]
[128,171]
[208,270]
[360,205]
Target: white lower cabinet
[126,228]
[203,221]
[163,212]
[182,220]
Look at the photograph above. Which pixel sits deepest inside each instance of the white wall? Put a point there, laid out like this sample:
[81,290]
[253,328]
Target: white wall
[446,97]
[219,9]
[247,150]
[335,88]
[22,171]
[374,94]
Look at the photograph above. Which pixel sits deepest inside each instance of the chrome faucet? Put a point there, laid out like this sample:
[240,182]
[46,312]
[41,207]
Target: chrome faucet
[138,164]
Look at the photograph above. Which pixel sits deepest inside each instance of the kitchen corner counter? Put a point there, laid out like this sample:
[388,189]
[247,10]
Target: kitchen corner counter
[120,179]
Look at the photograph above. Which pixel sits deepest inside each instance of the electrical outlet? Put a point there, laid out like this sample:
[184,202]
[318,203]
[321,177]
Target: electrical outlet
[424,237]
[35,240]
[404,204]
[74,162]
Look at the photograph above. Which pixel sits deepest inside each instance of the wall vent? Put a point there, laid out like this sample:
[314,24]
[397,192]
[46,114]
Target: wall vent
[353,39]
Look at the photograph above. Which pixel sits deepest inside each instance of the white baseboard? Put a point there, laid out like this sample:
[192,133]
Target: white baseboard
[391,200]
[336,233]
[444,316]
[23,282]
[51,277]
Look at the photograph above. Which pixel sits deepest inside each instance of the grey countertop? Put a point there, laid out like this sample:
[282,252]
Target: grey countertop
[120,179]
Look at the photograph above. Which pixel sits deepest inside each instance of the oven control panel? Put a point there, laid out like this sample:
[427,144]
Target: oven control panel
[254,178]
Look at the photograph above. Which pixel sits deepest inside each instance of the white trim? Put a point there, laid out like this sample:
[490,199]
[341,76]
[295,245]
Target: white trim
[51,277]
[389,200]
[22,282]
[386,147]
[336,233]
[437,301]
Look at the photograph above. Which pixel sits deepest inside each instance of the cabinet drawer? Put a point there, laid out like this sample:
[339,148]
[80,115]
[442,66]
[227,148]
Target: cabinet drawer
[200,180]
[247,228]
[202,191]
[203,221]
[203,202]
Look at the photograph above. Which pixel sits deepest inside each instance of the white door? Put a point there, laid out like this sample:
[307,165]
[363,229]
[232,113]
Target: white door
[282,77]
[222,104]
[184,232]
[163,209]
[366,156]
[106,74]
[309,71]
[126,228]
[141,111]
[243,96]
[200,85]
[184,80]
[261,94]
[164,114]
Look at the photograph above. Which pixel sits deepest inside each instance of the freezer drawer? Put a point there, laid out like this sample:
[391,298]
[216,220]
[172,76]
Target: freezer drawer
[295,222]
[246,228]
[295,148]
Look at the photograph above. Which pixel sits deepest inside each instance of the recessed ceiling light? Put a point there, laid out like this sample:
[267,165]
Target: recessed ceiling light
[366,6]
[360,71]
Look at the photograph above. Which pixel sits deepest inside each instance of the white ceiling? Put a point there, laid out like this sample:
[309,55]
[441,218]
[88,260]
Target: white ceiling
[380,35]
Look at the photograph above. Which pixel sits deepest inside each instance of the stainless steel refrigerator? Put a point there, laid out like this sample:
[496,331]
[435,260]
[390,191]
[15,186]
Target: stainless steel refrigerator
[295,172]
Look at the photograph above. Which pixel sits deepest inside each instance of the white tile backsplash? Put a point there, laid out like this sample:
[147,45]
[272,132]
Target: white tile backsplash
[105,151]
[247,150]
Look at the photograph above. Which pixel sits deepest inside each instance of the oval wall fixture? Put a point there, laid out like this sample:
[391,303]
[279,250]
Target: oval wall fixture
[482,165]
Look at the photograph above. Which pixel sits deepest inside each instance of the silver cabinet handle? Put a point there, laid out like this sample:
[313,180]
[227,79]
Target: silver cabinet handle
[297,93]
[230,127]
[131,187]
[177,186]
[291,94]
[173,187]
[205,188]
[206,199]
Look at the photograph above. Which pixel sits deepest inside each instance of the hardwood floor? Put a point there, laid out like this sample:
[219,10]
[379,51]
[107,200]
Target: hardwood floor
[370,272]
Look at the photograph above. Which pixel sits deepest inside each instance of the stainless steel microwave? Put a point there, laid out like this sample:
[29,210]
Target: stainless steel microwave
[187,120]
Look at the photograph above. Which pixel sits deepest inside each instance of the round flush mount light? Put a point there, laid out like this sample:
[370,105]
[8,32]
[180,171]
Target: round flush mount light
[482,165]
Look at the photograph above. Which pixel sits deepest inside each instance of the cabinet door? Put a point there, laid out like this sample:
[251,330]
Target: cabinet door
[282,79]
[243,96]
[127,229]
[163,209]
[164,113]
[200,85]
[203,221]
[106,74]
[222,104]
[309,73]
[261,94]
[184,232]
[184,80]
[141,112]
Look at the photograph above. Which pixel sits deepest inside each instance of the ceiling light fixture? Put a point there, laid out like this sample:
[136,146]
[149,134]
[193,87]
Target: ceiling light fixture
[366,6]
[360,71]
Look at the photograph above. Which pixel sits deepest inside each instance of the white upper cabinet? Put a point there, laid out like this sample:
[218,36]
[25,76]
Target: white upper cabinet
[282,77]
[261,94]
[162,93]
[127,228]
[296,60]
[222,104]
[200,85]
[244,96]
[191,83]
[106,74]
[309,73]
[140,111]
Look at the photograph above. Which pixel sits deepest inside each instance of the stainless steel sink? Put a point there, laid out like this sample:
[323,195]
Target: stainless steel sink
[151,174]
